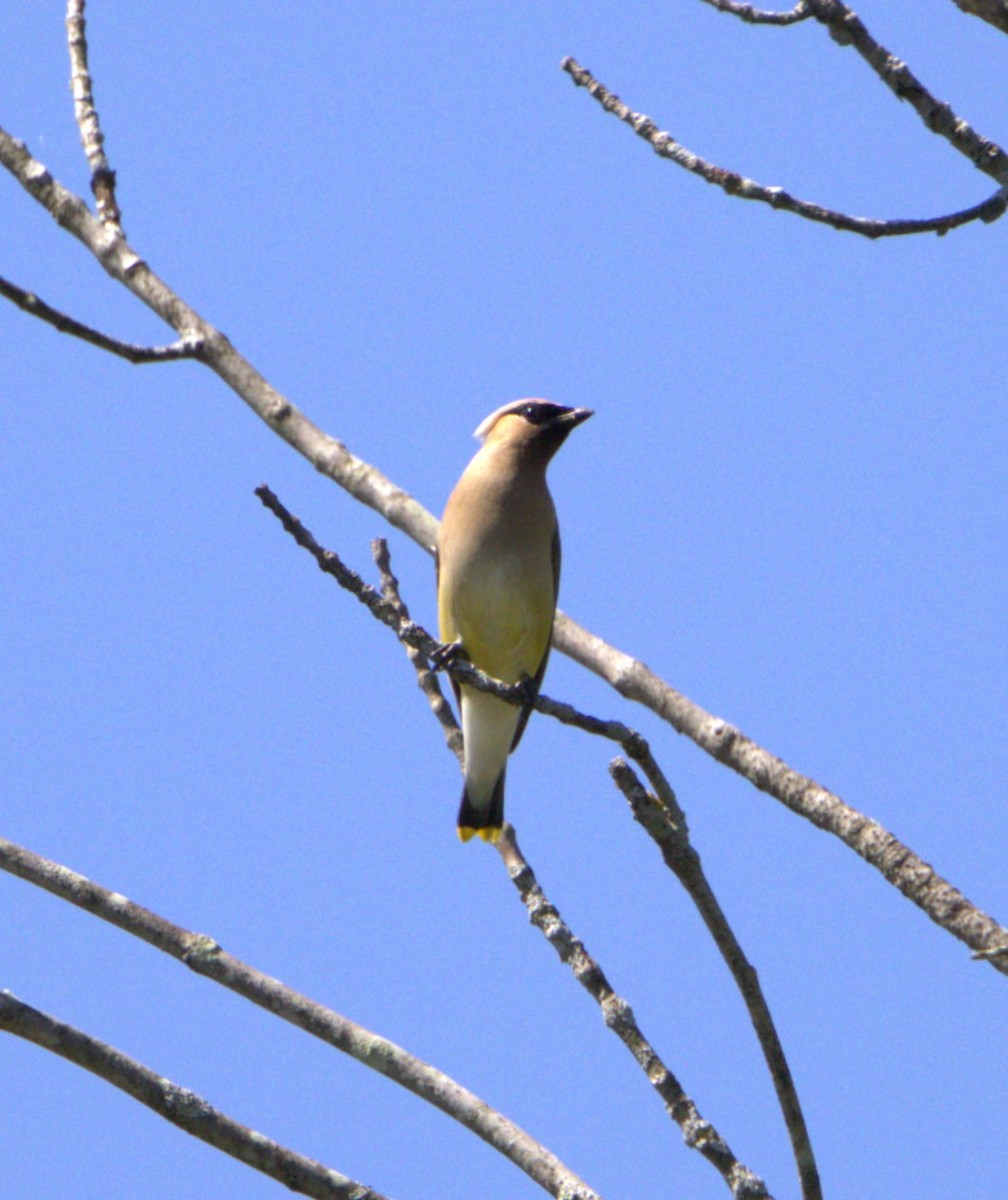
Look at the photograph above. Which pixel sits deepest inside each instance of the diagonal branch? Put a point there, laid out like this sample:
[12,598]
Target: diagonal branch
[899,864]
[995,12]
[179,1105]
[847,29]
[945,905]
[103,178]
[698,1133]
[682,859]
[328,455]
[665,146]
[904,869]
[30,303]
[204,956]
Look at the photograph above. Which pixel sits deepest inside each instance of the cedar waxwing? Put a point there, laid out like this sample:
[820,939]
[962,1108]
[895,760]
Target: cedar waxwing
[498,562]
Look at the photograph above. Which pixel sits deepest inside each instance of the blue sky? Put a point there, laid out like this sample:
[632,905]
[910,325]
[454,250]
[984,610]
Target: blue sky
[790,504]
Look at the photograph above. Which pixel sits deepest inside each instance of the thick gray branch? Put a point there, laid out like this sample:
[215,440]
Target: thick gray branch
[916,879]
[204,956]
[329,456]
[179,1105]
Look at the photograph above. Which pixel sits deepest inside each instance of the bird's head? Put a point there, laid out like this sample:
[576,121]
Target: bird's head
[531,427]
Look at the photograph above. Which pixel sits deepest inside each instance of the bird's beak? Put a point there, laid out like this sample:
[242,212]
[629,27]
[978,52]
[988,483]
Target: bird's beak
[574,417]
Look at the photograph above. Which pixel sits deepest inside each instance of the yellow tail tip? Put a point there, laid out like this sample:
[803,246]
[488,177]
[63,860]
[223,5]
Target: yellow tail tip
[489,833]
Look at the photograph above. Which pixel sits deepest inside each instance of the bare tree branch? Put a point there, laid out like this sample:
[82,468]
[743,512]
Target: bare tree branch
[36,307]
[103,178]
[697,1132]
[916,879]
[995,12]
[665,146]
[179,1105]
[945,905]
[328,455]
[660,815]
[762,16]
[847,29]
[204,956]
[682,859]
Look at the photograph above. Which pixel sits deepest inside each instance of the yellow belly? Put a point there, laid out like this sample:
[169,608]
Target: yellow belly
[503,617]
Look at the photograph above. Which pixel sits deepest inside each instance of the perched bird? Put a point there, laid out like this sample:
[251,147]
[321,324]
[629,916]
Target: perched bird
[498,561]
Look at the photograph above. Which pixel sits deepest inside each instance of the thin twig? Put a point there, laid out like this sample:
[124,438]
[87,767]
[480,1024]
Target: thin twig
[204,956]
[179,1105]
[698,1133]
[682,859]
[762,16]
[426,678]
[919,882]
[103,178]
[665,146]
[660,815]
[36,307]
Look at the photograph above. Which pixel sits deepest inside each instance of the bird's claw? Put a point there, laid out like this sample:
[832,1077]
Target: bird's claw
[446,655]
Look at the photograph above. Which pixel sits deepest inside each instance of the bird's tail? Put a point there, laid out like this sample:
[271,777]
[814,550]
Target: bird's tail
[486,821]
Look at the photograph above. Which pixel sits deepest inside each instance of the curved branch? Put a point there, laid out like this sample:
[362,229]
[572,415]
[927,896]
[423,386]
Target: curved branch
[204,956]
[665,146]
[179,1105]
[762,16]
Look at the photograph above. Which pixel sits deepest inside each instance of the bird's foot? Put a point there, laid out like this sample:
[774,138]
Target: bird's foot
[446,655]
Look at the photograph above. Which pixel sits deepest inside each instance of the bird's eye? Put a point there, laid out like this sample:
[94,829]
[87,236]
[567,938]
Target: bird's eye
[539,414]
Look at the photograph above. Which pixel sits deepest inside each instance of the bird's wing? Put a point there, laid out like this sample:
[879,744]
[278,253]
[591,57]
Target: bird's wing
[526,712]
[437,582]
